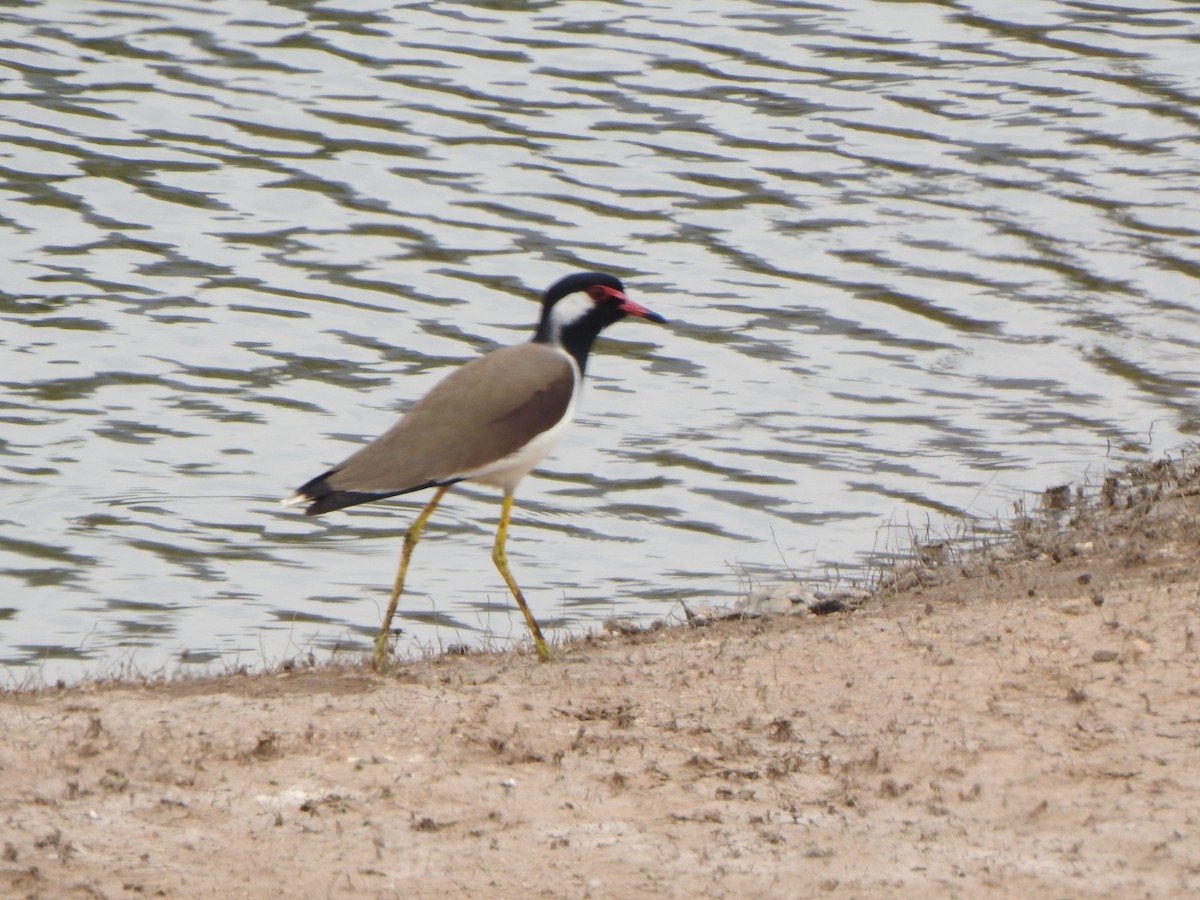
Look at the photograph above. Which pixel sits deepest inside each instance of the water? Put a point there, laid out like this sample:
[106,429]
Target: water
[918,258]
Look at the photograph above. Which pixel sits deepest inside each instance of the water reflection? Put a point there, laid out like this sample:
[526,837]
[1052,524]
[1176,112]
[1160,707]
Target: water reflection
[916,257]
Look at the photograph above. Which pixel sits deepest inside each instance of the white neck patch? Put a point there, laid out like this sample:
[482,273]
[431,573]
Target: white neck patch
[570,308]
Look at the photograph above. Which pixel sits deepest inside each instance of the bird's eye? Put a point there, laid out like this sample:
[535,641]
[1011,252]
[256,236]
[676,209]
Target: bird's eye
[597,293]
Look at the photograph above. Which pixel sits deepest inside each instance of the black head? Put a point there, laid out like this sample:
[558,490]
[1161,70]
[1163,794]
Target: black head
[577,308]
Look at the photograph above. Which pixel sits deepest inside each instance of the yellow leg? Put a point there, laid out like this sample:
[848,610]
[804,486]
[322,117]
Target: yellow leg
[410,540]
[500,558]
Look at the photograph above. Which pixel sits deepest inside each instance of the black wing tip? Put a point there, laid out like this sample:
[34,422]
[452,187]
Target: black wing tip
[322,497]
[329,500]
[318,496]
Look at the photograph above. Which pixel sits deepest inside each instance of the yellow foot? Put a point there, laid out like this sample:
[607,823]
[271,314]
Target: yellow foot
[379,659]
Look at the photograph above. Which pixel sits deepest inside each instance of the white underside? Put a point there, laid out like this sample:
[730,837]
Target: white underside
[505,473]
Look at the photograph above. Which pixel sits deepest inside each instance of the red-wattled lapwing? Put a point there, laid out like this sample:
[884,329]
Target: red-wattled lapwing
[491,420]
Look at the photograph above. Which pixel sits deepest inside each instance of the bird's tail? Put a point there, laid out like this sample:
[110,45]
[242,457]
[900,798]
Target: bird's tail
[322,497]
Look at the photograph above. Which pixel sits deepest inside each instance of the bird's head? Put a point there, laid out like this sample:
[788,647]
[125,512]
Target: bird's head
[575,309]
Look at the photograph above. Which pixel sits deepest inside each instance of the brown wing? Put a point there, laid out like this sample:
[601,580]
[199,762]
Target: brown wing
[481,412]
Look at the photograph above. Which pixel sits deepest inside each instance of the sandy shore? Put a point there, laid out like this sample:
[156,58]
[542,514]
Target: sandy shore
[1022,724]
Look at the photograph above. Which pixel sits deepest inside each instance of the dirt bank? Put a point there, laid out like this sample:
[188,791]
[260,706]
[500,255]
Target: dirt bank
[1031,729]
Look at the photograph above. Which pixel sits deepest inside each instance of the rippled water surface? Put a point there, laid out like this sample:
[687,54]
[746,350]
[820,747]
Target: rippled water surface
[917,258]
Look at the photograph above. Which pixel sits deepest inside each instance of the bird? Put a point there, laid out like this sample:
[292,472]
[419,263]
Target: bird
[491,420]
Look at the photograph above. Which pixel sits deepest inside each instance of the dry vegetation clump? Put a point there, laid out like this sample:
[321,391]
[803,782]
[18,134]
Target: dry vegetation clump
[1139,503]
